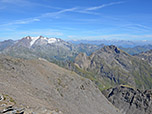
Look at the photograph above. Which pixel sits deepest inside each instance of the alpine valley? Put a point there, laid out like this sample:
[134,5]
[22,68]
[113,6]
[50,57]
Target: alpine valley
[49,75]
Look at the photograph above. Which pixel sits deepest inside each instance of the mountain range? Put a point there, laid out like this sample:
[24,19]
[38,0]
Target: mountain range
[42,47]
[57,49]
[118,43]
[107,65]
[87,70]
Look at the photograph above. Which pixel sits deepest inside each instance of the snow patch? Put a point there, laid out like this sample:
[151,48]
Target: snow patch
[51,40]
[48,40]
[33,40]
[28,37]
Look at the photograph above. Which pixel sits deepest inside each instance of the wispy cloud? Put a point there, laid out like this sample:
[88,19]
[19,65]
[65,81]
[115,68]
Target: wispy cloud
[104,5]
[52,14]
[27,21]
[24,21]
[58,12]
[138,28]
[83,11]
[38,18]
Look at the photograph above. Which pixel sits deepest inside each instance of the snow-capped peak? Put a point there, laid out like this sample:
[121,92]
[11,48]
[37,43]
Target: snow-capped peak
[40,40]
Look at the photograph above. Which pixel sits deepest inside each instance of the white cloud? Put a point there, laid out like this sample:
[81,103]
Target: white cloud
[27,21]
[104,5]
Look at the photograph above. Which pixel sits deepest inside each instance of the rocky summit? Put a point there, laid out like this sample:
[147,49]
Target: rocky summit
[40,87]
[130,100]
[112,66]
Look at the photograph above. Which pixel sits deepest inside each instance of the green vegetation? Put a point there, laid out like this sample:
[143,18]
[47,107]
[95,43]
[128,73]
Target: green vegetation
[8,98]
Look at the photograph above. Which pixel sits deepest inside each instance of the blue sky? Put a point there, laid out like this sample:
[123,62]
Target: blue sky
[76,19]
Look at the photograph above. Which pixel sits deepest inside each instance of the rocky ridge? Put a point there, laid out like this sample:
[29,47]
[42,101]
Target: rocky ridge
[112,66]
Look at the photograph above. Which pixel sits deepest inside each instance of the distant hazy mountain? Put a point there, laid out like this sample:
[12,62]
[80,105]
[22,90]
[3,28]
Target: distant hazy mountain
[112,66]
[118,43]
[137,49]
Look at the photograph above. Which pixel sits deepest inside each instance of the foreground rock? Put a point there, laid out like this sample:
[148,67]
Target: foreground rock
[130,100]
[7,106]
[41,87]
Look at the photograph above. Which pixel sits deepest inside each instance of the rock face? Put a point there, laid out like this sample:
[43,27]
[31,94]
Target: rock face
[130,100]
[43,88]
[112,66]
[7,105]
[147,56]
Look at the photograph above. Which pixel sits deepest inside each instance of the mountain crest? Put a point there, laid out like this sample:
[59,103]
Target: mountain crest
[39,40]
[111,48]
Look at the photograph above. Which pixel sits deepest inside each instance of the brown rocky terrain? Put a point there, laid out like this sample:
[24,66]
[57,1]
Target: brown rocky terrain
[41,87]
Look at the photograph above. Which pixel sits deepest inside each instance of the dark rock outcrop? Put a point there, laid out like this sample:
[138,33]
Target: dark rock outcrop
[129,100]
